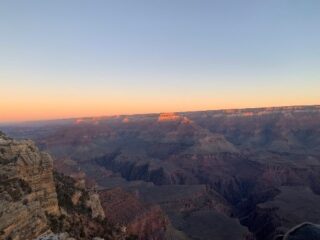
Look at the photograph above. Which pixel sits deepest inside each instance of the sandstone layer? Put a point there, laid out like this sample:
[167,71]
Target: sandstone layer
[27,190]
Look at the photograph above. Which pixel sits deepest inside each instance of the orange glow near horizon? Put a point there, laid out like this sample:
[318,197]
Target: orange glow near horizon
[28,98]
[45,109]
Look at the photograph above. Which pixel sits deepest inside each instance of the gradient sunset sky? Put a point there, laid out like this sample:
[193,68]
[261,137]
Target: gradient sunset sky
[76,58]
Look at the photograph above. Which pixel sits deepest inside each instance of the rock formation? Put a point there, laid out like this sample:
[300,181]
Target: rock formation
[163,117]
[37,203]
[27,190]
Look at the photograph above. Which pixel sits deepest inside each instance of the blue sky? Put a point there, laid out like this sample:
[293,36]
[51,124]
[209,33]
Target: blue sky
[158,55]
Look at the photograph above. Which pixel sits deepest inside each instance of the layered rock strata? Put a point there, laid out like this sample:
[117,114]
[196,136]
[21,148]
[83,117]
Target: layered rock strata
[27,189]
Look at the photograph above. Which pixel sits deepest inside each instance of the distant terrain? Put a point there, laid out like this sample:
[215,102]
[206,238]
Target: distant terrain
[224,174]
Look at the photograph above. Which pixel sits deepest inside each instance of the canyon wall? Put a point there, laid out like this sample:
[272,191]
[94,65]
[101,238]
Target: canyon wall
[38,203]
[27,190]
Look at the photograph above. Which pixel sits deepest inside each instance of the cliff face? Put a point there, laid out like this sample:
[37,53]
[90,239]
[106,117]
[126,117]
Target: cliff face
[27,190]
[37,203]
[82,215]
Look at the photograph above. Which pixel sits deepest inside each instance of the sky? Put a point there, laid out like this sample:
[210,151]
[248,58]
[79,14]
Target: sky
[75,58]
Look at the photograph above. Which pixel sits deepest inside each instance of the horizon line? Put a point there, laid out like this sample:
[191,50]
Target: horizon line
[151,113]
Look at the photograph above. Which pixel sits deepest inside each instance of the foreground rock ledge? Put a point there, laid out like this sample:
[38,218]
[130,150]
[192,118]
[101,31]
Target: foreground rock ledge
[27,189]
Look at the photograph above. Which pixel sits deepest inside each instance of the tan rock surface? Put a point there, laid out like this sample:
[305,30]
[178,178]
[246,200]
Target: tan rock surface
[95,205]
[27,190]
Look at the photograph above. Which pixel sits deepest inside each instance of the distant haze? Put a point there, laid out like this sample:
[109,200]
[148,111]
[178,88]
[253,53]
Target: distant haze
[76,58]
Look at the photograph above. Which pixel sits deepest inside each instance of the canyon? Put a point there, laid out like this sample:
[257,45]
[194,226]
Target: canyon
[224,174]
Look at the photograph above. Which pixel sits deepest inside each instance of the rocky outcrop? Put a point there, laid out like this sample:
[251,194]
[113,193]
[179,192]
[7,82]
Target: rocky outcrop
[94,204]
[55,236]
[82,214]
[164,117]
[36,203]
[27,190]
